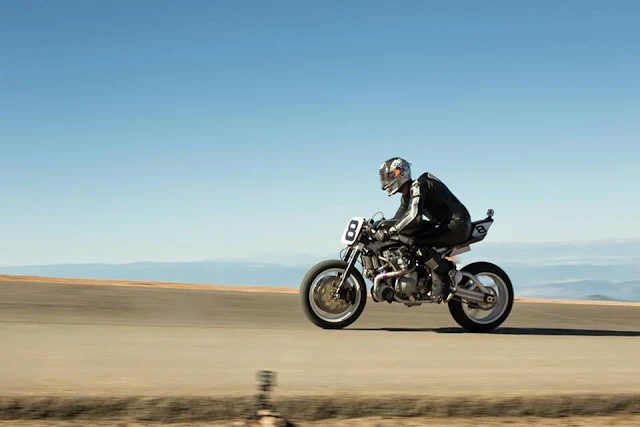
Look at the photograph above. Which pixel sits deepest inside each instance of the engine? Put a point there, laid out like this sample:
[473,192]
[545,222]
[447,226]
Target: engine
[408,287]
[413,286]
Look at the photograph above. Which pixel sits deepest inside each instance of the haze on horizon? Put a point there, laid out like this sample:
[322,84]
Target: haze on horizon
[163,132]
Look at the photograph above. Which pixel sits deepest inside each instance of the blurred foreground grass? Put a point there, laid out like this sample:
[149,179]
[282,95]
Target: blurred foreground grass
[611,421]
[134,411]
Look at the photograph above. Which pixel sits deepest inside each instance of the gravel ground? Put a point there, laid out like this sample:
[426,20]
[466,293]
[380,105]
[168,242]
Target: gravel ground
[619,421]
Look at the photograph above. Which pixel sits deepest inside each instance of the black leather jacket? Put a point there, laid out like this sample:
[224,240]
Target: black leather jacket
[429,197]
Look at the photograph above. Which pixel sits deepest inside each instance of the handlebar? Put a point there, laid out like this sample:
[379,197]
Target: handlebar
[368,229]
[371,226]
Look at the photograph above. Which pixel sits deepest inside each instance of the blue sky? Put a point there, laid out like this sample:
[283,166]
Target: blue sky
[155,130]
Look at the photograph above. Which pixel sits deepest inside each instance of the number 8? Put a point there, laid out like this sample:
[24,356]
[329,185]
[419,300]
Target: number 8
[353,224]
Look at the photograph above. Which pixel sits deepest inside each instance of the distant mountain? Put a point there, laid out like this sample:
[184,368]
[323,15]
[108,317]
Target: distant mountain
[599,298]
[583,289]
[603,270]
[590,252]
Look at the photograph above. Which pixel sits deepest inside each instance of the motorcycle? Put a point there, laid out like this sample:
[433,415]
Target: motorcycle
[334,293]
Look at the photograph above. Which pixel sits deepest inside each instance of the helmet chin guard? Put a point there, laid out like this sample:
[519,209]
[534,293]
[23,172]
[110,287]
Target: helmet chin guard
[393,174]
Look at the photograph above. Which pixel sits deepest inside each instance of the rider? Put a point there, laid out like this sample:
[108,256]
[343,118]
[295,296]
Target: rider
[450,222]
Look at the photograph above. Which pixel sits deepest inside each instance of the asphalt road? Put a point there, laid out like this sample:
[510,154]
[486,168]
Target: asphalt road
[95,340]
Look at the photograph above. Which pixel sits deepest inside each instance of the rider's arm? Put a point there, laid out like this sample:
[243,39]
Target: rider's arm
[412,211]
[404,204]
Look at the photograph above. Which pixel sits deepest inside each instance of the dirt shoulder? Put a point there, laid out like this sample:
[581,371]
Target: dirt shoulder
[144,284]
[241,288]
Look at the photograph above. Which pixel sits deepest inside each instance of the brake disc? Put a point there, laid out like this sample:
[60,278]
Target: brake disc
[324,295]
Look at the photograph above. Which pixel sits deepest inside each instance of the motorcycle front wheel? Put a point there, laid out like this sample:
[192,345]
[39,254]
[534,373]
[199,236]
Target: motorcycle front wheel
[317,290]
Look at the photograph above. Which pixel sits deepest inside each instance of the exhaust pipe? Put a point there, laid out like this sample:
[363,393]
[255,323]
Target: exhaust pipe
[382,291]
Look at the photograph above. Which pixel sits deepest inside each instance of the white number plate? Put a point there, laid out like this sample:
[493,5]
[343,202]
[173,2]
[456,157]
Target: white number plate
[352,230]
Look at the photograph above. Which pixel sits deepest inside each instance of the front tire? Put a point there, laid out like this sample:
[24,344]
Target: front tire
[316,296]
[498,313]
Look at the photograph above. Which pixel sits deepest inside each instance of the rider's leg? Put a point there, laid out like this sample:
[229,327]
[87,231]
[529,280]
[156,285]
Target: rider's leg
[445,235]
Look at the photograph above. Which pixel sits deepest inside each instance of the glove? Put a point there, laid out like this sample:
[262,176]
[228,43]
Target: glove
[381,235]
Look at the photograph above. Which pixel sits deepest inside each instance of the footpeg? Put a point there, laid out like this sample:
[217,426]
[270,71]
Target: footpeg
[448,298]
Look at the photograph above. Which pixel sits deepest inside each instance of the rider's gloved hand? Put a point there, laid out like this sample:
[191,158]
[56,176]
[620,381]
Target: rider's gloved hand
[382,235]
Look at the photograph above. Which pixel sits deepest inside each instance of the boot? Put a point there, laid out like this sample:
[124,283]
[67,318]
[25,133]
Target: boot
[446,276]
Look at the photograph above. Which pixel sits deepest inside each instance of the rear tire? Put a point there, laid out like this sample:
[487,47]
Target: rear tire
[504,306]
[310,305]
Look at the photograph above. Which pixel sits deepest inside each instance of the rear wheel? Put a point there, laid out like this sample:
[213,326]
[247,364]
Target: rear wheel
[478,317]
[317,290]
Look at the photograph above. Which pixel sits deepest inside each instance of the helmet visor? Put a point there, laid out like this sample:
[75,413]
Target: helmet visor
[388,176]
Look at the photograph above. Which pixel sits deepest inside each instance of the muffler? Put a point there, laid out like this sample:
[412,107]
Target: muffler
[384,292]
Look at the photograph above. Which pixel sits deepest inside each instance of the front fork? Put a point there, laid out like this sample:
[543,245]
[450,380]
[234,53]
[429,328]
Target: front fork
[351,256]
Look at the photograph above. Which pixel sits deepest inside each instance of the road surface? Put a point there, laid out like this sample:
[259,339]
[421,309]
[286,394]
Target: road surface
[103,340]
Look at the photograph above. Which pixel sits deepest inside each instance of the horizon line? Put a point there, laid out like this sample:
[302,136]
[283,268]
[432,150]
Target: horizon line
[285,254]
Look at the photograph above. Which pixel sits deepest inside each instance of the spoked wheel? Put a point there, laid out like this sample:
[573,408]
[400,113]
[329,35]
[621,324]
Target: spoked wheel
[484,317]
[317,295]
